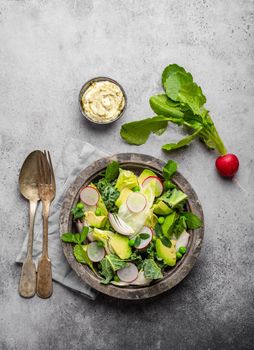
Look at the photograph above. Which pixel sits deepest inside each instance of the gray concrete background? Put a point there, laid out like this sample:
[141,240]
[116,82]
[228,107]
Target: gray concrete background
[48,50]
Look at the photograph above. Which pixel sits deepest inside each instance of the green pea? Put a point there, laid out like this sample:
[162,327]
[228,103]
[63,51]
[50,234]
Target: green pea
[178,256]
[100,244]
[131,242]
[154,238]
[182,250]
[80,205]
[161,220]
[136,189]
[98,212]
[116,278]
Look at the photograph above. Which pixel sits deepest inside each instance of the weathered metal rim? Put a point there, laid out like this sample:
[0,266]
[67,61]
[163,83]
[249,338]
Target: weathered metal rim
[175,275]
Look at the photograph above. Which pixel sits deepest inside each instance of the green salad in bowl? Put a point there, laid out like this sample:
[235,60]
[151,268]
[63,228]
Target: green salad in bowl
[131,228]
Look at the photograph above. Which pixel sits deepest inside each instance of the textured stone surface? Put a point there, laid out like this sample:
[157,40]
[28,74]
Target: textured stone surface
[48,50]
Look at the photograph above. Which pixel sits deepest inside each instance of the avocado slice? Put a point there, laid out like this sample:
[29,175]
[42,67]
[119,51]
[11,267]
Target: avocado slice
[94,220]
[167,254]
[123,196]
[120,245]
[168,223]
[145,174]
[161,208]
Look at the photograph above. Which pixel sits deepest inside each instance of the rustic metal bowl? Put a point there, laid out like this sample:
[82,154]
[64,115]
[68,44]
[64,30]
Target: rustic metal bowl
[86,86]
[135,162]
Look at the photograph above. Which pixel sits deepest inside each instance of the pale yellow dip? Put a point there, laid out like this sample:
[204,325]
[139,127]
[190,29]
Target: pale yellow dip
[103,101]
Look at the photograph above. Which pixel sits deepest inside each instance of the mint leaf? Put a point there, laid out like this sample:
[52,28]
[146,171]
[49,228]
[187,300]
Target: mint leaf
[166,241]
[144,235]
[192,221]
[169,169]
[112,171]
[137,133]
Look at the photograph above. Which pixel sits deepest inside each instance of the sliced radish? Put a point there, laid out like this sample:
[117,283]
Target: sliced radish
[89,195]
[128,273]
[182,241]
[119,225]
[144,242]
[136,202]
[158,184]
[79,225]
[95,253]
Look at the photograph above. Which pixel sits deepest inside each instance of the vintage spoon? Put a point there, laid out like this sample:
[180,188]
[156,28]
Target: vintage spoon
[28,186]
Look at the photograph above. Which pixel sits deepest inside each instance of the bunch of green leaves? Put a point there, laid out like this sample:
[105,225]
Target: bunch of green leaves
[106,186]
[186,220]
[182,104]
[79,251]
[78,212]
[77,238]
[109,194]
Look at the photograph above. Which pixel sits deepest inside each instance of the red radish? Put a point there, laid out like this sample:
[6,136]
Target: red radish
[119,225]
[158,184]
[227,165]
[136,202]
[144,242]
[128,273]
[89,195]
[94,252]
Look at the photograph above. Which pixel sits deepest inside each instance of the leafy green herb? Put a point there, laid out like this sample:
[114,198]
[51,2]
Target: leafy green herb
[112,171]
[109,194]
[137,241]
[144,235]
[151,269]
[81,256]
[77,238]
[159,234]
[106,271]
[169,169]
[137,133]
[166,241]
[78,212]
[192,221]
[180,226]
[183,104]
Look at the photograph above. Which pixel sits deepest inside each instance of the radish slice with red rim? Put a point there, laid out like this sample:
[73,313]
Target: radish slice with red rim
[94,252]
[158,184]
[136,202]
[89,195]
[144,242]
[128,273]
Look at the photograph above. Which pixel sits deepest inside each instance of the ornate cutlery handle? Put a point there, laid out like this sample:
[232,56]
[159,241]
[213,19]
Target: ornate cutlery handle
[27,284]
[44,274]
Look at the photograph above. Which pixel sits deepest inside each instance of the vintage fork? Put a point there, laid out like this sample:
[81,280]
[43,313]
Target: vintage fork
[47,190]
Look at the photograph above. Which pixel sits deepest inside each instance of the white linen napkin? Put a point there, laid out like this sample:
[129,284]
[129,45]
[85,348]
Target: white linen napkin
[76,156]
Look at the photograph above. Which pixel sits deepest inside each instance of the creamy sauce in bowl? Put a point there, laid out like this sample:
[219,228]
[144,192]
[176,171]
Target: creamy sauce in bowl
[103,101]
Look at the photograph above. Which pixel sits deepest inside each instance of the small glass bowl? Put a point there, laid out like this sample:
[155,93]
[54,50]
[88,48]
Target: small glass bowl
[86,86]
